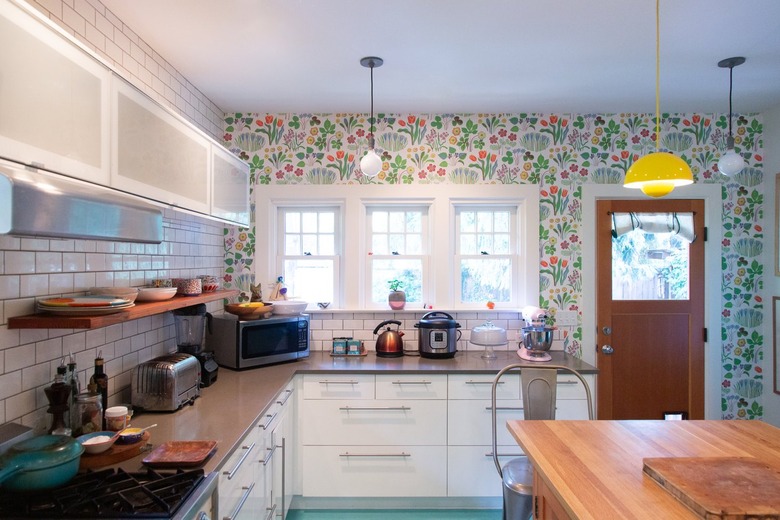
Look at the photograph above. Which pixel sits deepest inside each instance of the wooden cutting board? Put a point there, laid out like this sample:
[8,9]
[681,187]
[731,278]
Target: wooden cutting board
[116,453]
[727,488]
[180,454]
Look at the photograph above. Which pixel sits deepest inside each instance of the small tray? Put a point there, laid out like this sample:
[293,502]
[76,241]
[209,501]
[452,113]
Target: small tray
[180,454]
[362,354]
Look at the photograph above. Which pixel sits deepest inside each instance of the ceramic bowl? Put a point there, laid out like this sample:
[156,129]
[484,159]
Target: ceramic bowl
[248,311]
[289,306]
[97,442]
[130,435]
[128,293]
[155,294]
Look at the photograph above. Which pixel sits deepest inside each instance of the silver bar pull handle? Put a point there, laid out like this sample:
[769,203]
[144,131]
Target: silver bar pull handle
[230,474]
[411,382]
[270,454]
[505,454]
[247,490]
[271,512]
[348,454]
[287,395]
[469,382]
[506,408]
[376,408]
[328,382]
[268,423]
[568,382]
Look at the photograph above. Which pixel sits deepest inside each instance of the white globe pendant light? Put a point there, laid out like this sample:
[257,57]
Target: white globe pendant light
[731,163]
[371,163]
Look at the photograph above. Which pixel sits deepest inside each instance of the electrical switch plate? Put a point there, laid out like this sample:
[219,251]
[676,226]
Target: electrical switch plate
[566,318]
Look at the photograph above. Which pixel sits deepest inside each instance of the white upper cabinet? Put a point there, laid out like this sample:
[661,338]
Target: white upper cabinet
[230,187]
[54,99]
[155,153]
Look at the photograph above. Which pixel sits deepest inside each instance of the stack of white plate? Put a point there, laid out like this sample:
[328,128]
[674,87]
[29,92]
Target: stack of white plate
[83,305]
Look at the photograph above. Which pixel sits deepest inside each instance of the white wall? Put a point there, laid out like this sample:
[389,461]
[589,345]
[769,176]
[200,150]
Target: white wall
[771,168]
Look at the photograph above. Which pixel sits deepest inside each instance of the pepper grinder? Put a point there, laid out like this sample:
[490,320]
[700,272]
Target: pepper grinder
[58,394]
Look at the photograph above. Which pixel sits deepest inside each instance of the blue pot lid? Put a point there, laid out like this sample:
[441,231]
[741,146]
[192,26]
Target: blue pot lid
[42,452]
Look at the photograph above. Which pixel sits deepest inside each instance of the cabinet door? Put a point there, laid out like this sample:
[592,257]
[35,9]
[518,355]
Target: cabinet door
[400,386]
[387,422]
[54,99]
[471,471]
[157,154]
[375,471]
[230,187]
[470,422]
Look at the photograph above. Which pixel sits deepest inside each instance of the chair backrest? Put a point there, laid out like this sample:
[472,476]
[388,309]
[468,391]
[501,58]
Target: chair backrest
[539,387]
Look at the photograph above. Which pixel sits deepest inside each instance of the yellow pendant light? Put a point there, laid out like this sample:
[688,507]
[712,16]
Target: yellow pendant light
[658,173]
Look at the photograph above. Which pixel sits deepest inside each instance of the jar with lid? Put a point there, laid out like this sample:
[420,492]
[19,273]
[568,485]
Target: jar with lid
[90,413]
[116,418]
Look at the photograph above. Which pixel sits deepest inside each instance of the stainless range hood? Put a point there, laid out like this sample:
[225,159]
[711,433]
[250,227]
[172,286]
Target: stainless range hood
[39,204]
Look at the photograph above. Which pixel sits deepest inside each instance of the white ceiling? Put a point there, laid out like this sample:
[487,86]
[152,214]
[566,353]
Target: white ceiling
[467,56]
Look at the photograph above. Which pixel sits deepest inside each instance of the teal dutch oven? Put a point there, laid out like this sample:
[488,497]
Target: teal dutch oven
[41,462]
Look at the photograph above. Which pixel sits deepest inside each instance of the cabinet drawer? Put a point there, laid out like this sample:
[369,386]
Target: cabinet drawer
[569,387]
[478,386]
[472,473]
[338,386]
[375,471]
[571,409]
[401,386]
[389,422]
[469,422]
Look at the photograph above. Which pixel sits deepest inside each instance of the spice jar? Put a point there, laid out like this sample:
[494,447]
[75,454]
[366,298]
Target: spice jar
[90,413]
[116,418]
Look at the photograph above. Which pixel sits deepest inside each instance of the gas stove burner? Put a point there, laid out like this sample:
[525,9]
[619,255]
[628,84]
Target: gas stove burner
[106,494]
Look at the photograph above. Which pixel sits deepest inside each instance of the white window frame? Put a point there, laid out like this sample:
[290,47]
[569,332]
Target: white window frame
[440,199]
[281,257]
[513,255]
[425,208]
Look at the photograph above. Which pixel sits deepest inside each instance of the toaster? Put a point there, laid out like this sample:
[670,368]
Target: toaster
[165,383]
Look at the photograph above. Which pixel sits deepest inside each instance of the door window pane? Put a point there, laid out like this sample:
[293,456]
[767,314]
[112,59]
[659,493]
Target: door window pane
[649,266]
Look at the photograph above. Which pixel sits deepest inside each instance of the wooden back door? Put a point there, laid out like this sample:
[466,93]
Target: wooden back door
[650,352]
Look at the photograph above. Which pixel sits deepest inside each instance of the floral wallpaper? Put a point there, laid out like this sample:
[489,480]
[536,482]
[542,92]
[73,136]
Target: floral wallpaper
[557,152]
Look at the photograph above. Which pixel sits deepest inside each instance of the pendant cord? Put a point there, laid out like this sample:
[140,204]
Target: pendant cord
[371,121]
[657,75]
[731,84]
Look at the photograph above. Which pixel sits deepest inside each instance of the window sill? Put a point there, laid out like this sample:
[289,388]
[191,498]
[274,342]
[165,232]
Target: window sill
[480,310]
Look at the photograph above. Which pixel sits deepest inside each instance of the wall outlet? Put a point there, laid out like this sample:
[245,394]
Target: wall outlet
[566,318]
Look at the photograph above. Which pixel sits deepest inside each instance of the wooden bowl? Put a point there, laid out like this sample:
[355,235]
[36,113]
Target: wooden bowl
[249,311]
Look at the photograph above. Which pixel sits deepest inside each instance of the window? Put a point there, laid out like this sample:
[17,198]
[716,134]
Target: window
[452,246]
[397,238]
[310,249]
[485,253]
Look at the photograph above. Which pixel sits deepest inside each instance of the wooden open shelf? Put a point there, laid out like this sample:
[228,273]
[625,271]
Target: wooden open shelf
[140,310]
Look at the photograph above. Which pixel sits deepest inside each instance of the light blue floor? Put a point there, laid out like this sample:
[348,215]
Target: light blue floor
[394,514]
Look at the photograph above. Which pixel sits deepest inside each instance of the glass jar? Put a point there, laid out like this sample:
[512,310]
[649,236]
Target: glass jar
[89,416]
[116,418]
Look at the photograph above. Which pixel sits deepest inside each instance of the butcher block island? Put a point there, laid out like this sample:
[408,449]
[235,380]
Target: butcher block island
[643,469]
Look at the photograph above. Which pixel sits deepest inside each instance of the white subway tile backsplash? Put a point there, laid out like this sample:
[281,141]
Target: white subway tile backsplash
[33,285]
[96,338]
[48,350]
[19,262]
[21,404]
[10,384]
[61,283]
[74,343]
[35,376]
[9,287]
[72,261]
[74,20]
[17,358]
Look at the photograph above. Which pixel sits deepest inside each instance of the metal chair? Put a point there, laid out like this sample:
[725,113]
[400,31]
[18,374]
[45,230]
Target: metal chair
[539,388]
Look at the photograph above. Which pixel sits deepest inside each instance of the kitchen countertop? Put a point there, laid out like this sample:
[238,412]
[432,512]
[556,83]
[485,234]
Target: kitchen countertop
[594,468]
[226,410]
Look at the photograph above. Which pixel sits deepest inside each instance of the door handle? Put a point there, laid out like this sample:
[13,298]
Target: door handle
[607,350]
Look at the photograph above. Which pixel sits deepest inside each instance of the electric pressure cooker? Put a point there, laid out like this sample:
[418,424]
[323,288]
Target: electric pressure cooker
[439,335]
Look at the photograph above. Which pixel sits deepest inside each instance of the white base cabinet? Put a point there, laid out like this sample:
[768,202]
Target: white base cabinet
[375,471]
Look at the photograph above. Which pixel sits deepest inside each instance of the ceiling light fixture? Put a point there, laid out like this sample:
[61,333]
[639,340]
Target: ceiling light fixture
[731,163]
[371,163]
[658,173]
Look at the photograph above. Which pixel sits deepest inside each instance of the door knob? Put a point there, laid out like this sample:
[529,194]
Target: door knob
[606,330]
[607,349]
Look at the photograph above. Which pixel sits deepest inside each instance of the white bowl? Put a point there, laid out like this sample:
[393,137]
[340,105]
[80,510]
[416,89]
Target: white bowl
[128,293]
[289,306]
[155,294]
[94,448]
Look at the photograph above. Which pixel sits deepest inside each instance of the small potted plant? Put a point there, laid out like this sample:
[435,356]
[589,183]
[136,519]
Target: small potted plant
[396,298]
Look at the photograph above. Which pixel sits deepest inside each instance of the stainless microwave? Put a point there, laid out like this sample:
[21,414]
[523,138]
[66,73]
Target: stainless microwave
[253,343]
